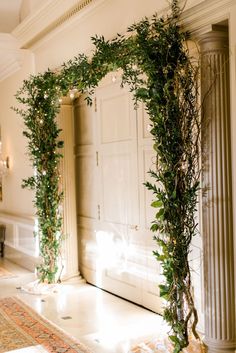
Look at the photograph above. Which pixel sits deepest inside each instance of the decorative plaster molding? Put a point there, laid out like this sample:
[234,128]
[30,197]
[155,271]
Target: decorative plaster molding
[48,18]
[57,13]
[198,19]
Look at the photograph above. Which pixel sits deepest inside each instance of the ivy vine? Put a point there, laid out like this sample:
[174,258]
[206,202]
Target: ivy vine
[156,65]
[40,96]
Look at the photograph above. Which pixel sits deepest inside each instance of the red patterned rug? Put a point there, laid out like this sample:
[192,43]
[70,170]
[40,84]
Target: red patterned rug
[21,327]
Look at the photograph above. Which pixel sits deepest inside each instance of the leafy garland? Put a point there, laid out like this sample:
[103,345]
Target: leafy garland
[156,65]
[40,95]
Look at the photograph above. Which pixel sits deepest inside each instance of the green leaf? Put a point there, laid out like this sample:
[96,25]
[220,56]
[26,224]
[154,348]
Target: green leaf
[156,147]
[157,204]
[177,348]
[174,339]
[164,290]
[154,227]
[161,258]
[160,213]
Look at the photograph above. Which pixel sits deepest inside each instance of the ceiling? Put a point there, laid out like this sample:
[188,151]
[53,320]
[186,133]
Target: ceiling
[12,14]
[10,58]
[9,15]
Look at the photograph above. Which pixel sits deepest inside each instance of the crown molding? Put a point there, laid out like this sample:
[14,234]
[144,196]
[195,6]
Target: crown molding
[56,14]
[200,18]
[48,18]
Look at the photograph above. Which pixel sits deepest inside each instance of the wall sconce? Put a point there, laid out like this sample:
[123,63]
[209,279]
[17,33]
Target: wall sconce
[4,166]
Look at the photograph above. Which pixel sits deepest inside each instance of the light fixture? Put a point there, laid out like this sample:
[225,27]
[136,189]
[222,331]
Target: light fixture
[4,166]
[72,93]
[4,163]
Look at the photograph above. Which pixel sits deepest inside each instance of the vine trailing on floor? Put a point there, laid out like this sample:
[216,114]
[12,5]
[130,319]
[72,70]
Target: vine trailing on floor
[157,67]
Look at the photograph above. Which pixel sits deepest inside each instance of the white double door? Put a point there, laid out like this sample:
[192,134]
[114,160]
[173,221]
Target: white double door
[113,154]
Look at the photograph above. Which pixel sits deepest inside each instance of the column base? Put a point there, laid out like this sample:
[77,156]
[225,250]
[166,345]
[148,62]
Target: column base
[223,350]
[73,279]
[219,346]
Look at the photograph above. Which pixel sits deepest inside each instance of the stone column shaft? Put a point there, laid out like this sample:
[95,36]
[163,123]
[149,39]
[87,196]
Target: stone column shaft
[217,193]
[70,244]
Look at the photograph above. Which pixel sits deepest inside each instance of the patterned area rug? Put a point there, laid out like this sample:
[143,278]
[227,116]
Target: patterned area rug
[5,274]
[22,327]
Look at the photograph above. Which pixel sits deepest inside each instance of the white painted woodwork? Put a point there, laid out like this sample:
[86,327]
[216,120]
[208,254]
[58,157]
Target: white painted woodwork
[113,153]
[47,17]
[218,240]
[22,246]
[67,166]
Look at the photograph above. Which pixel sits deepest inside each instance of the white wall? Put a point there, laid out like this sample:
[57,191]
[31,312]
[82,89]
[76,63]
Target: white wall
[15,199]
[16,208]
[108,19]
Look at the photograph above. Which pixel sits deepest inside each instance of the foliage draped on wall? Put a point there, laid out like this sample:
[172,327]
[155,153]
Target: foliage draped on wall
[157,67]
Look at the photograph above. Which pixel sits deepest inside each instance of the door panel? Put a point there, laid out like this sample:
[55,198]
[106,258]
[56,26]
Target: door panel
[114,115]
[115,176]
[117,146]
[114,213]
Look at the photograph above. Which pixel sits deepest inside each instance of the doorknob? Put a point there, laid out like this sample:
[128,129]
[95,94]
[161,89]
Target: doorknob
[134,227]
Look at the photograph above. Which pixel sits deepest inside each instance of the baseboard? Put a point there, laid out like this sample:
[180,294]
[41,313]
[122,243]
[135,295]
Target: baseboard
[20,258]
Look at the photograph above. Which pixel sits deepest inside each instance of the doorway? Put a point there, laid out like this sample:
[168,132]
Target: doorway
[113,155]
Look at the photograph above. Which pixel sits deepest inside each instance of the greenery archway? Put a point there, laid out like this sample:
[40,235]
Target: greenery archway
[158,69]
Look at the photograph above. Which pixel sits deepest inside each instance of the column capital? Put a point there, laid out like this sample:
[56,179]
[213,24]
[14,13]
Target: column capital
[214,38]
[66,101]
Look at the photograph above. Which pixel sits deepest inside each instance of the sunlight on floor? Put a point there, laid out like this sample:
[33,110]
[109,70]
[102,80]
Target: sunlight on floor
[99,320]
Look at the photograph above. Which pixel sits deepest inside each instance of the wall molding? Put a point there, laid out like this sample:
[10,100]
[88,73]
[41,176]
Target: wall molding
[20,233]
[57,14]
[22,259]
[18,216]
[199,18]
[50,17]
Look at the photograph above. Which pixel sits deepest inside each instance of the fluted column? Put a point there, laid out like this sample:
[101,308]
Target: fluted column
[70,244]
[217,196]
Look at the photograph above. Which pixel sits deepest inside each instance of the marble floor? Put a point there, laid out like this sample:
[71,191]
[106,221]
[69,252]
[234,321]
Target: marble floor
[102,321]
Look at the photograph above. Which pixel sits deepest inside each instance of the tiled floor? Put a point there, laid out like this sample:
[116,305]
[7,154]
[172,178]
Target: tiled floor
[102,321]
